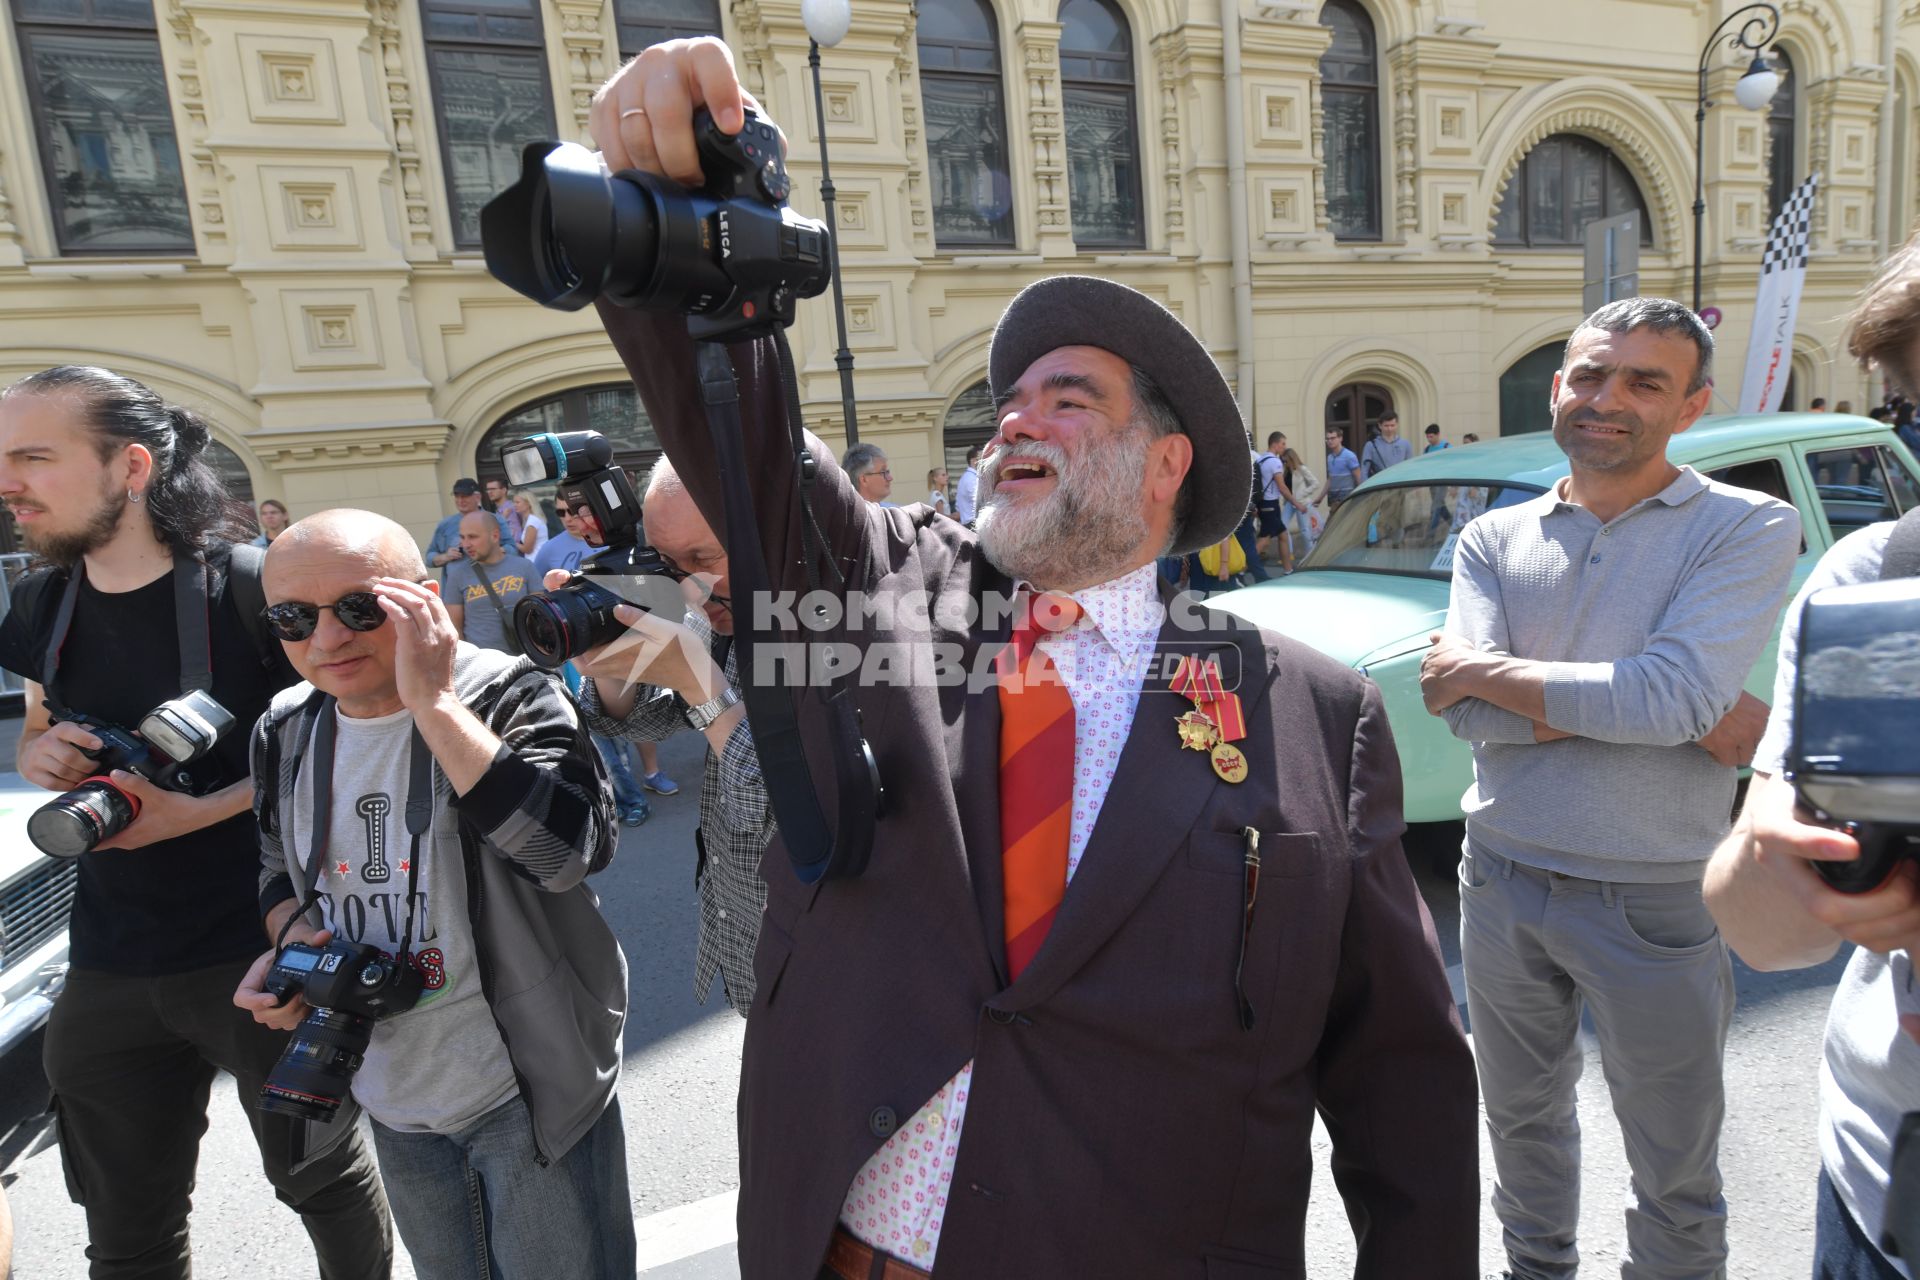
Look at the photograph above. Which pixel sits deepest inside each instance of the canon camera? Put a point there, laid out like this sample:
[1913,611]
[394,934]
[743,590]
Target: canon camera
[350,986]
[554,627]
[732,256]
[171,737]
[1856,724]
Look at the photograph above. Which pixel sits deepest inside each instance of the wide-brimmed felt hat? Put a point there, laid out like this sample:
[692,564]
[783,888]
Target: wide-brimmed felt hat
[1086,311]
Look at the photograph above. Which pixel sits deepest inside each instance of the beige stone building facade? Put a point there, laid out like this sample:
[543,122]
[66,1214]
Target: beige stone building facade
[267,208]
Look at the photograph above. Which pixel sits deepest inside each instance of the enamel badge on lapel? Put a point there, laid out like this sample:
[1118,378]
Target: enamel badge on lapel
[1216,722]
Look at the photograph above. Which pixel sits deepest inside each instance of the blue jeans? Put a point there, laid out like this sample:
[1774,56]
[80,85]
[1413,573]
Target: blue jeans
[1842,1250]
[473,1205]
[626,790]
[1249,542]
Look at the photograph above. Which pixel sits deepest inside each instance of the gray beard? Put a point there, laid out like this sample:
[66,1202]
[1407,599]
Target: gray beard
[67,549]
[1086,531]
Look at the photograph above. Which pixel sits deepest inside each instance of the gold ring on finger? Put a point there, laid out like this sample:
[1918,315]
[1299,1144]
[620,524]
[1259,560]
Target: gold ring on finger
[633,111]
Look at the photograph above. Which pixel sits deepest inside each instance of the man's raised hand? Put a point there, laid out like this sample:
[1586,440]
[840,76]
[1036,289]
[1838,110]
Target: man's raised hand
[642,118]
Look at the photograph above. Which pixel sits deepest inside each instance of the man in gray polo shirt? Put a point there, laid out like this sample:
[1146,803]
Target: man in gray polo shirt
[1594,654]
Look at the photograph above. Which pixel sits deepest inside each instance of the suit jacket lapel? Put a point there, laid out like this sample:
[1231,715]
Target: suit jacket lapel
[1154,799]
[973,743]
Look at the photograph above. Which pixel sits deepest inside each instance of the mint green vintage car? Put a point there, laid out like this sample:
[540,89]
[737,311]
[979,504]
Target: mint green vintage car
[1376,586]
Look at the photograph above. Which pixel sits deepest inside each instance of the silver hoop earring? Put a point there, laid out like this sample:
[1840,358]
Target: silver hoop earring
[134,497]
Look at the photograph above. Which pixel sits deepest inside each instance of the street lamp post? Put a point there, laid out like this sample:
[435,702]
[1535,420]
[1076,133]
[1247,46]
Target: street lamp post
[1754,91]
[827,22]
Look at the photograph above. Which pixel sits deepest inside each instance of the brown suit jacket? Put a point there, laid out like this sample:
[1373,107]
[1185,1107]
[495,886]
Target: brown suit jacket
[1122,1123]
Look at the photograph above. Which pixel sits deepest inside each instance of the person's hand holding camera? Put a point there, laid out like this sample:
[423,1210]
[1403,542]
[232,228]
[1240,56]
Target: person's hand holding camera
[165,814]
[1783,842]
[56,759]
[653,650]
[252,994]
[643,117]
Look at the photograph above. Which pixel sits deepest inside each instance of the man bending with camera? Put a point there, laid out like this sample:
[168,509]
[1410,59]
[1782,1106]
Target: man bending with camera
[1777,913]
[693,675]
[397,821]
[147,600]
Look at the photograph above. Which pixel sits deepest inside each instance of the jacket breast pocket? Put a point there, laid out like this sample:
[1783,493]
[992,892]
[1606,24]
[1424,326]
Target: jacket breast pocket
[1284,854]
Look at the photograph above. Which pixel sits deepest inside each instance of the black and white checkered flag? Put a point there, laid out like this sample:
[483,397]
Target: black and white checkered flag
[1783,269]
[1787,239]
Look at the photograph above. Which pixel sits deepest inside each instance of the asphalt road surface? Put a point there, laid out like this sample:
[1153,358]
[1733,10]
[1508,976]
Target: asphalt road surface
[678,1096]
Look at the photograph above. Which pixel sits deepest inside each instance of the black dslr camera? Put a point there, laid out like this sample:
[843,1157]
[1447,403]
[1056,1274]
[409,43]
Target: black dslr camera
[170,737]
[556,626]
[350,986]
[1855,761]
[731,257]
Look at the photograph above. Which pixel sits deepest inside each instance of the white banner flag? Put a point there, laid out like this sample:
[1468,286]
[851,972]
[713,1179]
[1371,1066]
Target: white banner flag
[1770,350]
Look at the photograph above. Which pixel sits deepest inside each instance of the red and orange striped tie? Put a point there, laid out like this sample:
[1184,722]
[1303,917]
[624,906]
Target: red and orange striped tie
[1036,779]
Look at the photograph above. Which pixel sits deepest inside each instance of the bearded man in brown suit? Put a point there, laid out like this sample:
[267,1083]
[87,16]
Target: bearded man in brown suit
[1126,1087]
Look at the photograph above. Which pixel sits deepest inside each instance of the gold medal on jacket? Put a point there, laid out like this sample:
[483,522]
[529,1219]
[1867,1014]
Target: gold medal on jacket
[1197,733]
[1229,762]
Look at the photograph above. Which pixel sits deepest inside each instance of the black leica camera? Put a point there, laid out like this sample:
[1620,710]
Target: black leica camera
[1855,759]
[732,256]
[556,626]
[172,736]
[350,986]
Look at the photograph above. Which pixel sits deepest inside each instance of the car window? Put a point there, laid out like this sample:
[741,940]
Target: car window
[1854,487]
[1762,475]
[1409,528]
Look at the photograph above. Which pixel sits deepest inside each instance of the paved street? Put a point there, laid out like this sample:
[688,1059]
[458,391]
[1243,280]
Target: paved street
[678,1098]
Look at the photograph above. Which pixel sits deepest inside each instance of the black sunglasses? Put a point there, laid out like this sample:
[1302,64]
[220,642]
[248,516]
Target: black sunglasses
[296,620]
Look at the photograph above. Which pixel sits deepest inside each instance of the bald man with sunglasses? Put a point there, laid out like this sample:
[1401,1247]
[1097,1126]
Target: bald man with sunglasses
[502,1075]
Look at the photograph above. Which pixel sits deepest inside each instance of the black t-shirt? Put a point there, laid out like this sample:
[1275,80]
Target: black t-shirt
[185,903]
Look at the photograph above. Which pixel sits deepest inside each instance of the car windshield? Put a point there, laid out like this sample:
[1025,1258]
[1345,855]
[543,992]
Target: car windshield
[1407,529]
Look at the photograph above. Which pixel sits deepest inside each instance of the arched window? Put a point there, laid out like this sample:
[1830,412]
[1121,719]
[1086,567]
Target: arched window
[489,72]
[970,421]
[646,22]
[1526,390]
[105,126]
[1782,167]
[1350,100]
[232,472]
[1103,144]
[966,124]
[613,410]
[1564,183]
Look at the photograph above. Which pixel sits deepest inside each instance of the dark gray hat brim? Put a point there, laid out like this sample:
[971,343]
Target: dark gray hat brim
[1086,311]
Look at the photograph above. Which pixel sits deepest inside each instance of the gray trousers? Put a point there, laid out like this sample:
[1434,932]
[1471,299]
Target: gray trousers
[1537,947]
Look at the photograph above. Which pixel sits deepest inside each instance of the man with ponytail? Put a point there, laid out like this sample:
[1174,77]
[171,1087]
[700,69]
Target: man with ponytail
[141,596]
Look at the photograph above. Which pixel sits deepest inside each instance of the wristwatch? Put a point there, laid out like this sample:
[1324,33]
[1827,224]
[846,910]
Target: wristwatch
[707,712]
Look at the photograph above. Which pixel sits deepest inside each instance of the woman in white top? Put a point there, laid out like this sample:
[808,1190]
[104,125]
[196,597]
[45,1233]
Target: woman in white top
[1307,491]
[533,524]
[937,498]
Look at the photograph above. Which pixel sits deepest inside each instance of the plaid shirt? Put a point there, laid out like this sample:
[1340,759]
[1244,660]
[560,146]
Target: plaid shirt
[736,822]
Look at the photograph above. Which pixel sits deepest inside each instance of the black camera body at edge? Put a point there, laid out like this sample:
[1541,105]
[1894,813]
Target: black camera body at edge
[350,986]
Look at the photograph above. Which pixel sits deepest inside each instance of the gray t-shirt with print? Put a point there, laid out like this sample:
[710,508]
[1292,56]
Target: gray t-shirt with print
[482,624]
[441,1065]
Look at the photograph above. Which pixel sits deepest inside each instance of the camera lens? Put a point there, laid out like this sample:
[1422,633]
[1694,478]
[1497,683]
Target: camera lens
[315,1073]
[557,626]
[70,825]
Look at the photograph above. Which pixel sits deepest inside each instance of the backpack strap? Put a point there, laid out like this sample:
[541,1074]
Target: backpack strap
[1902,559]
[244,564]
